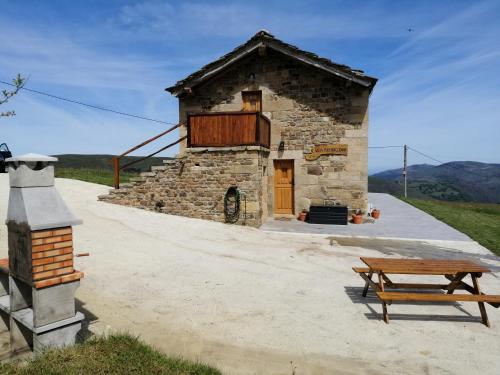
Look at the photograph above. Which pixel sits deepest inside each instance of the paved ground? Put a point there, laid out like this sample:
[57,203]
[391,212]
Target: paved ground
[398,220]
[252,302]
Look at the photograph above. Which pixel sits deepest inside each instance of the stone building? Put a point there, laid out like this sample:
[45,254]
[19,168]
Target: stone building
[287,127]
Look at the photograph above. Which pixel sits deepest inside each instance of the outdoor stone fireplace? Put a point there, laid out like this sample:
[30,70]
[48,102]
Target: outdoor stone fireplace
[38,280]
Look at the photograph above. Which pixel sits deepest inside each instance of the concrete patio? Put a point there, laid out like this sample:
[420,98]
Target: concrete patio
[398,220]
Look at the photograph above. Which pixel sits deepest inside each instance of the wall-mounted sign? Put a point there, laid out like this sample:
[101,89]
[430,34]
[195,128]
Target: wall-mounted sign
[337,149]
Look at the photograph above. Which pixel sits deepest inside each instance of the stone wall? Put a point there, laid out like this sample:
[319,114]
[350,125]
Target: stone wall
[307,107]
[194,185]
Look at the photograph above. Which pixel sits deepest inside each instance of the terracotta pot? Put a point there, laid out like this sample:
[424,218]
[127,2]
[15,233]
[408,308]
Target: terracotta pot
[302,216]
[357,219]
[375,214]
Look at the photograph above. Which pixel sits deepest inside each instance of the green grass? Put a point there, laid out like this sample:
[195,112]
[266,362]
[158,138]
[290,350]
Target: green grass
[480,221]
[97,176]
[118,354]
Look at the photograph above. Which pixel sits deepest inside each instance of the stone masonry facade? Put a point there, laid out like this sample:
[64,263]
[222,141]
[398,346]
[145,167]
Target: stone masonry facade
[194,185]
[307,107]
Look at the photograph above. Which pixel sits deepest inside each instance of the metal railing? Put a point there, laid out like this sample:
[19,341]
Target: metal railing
[116,159]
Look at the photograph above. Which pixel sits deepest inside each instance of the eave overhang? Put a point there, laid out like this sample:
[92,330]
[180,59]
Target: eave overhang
[263,39]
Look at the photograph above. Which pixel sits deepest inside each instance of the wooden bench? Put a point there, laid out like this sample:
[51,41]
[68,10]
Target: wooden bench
[454,270]
[361,269]
[434,297]
[364,272]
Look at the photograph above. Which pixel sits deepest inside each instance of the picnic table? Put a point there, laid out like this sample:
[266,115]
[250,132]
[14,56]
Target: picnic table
[453,270]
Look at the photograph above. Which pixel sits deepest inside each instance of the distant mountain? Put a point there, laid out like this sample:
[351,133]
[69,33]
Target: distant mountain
[453,181]
[104,162]
[394,174]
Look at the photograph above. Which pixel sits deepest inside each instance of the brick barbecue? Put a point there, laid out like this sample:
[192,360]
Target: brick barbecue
[38,280]
[40,239]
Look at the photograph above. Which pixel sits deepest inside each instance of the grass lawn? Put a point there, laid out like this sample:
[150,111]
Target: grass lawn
[118,354]
[480,221]
[97,176]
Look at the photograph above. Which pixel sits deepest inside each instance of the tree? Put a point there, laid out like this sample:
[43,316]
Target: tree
[18,83]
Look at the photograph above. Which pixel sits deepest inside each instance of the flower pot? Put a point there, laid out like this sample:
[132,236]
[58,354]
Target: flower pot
[357,219]
[302,216]
[375,214]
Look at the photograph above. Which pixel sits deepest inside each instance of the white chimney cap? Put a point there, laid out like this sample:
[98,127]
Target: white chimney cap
[31,157]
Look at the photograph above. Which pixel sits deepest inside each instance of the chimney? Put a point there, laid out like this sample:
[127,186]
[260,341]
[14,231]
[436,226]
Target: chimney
[41,277]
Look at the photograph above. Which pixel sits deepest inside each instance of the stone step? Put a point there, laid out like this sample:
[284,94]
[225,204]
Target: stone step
[156,168]
[137,179]
[120,191]
[147,174]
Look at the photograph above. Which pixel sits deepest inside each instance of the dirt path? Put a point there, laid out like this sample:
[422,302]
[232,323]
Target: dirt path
[251,302]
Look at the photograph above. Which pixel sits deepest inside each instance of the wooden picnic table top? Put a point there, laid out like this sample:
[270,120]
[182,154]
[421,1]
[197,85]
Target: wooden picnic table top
[423,266]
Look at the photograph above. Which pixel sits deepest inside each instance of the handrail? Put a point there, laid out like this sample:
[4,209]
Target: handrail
[116,159]
[154,153]
[150,140]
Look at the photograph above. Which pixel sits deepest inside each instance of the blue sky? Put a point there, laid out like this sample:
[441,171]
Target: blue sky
[438,89]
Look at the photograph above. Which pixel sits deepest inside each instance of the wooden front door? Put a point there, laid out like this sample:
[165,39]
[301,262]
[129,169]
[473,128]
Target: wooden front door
[283,187]
[252,101]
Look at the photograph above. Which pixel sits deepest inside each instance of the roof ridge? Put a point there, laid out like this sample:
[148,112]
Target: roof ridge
[268,39]
[263,32]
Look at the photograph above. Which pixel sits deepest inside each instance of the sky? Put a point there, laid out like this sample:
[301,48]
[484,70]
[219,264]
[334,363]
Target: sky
[438,65]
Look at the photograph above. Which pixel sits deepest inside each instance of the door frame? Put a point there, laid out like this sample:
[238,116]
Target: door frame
[292,162]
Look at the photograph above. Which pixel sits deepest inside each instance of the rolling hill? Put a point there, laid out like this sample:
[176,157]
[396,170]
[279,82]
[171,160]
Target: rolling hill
[103,162]
[467,181]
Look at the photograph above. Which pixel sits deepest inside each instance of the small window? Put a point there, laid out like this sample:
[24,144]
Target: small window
[252,101]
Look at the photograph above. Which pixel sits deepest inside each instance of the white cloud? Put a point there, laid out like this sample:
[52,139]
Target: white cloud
[232,19]
[441,92]
[59,63]
[45,126]
[51,57]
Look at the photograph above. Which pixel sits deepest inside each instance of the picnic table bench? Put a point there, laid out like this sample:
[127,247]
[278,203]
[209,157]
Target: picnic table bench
[453,270]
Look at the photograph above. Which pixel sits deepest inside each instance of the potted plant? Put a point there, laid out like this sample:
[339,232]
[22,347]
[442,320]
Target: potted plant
[375,213]
[357,217]
[302,215]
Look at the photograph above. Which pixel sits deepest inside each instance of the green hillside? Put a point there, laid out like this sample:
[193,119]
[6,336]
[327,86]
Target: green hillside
[98,168]
[452,193]
[479,221]
[104,162]
[459,181]
[420,189]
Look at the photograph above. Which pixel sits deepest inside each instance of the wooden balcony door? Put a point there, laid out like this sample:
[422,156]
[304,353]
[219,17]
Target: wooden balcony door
[252,101]
[283,187]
